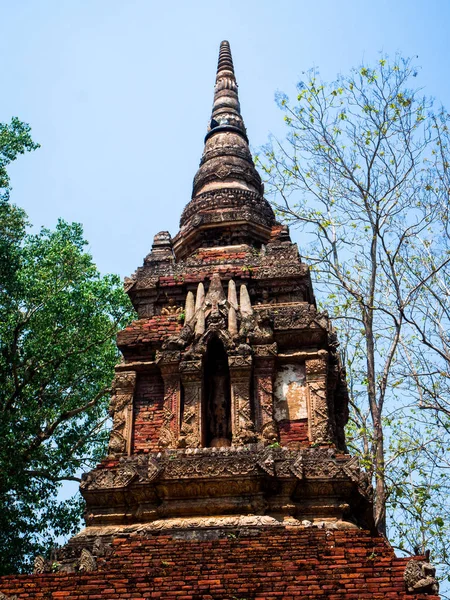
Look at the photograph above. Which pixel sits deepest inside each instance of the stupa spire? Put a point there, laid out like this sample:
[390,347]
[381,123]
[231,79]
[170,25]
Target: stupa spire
[225,59]
[226,111]
[227,205]
[227,161]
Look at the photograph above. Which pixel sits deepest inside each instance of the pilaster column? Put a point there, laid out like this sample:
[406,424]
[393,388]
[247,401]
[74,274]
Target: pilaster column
[121,411]
[264,373]
[190,435]
[242,425]
[318,414]
[169,365]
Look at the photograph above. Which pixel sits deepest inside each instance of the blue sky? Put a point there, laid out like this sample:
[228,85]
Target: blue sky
[118,94]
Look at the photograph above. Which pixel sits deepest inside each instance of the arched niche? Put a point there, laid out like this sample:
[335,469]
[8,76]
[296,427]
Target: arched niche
[217,396]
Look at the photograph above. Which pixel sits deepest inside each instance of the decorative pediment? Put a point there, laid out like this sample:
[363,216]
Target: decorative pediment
[213,314]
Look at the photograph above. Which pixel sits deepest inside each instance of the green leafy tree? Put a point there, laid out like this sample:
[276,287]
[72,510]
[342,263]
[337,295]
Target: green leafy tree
[363,172]
[58,320]
[15,138]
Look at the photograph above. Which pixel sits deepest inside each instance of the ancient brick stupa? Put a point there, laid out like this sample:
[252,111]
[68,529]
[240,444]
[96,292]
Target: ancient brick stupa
[228,475]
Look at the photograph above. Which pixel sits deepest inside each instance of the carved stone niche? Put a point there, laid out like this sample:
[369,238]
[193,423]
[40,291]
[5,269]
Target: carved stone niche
[121,411]
[318,414]
[217,403]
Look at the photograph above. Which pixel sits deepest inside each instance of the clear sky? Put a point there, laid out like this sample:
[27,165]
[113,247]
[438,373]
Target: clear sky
[119,93]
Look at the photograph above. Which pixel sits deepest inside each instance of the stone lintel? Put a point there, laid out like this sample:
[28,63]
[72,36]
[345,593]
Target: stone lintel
[138,366]
[300,356]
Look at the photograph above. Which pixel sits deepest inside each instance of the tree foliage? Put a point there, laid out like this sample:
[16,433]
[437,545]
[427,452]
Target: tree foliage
[364,173]
[15,138]
[58,320]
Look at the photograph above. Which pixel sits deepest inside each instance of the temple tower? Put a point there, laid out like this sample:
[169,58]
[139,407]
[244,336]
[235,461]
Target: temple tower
[227,474]
[231,379]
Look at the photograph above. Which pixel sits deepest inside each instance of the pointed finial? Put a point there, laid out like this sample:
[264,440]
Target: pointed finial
[189,308]
[232,322]
[215,291]
[225,59]
[226,170]
[200,298]
[200,324]
[245,305]
[226,112]
[232,296]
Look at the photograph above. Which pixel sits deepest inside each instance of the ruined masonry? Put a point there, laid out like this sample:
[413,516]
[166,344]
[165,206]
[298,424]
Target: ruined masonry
[227,475]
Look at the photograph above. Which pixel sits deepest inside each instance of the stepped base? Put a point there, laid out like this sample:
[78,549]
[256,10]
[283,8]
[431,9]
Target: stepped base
[254,562]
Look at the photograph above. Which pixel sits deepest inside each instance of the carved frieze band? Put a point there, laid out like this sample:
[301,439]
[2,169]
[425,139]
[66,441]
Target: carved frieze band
[121,411]
[305,464]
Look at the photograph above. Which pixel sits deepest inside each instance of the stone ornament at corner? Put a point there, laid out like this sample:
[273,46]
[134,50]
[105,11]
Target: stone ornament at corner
[420,577]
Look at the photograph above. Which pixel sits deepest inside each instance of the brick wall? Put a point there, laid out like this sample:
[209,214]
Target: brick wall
[294,433]
[148,412]
[271,564]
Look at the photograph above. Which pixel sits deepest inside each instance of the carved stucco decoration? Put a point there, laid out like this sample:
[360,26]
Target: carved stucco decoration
[236,325]
[87,562]
[265,350]
[110,478]
[316,379]
[39,565]
[71,558]
[5,597]
[263,393]
[321,463]
[312,463]
[178,341]
[213,312]
[154,469]
[420,578]
[168,356]
[187,467]
[121,411]
[171,308]
[233,479]
[261,330]
[297,467]
[167,436]
[264,267]
[242,426]
[266,461]
[211,316]
[191,419]
[298,316]
[169,432]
